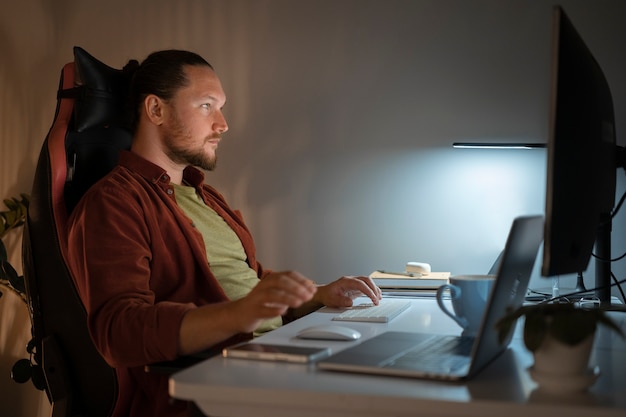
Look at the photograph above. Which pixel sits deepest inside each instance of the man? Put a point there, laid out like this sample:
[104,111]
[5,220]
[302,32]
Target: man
[163,265]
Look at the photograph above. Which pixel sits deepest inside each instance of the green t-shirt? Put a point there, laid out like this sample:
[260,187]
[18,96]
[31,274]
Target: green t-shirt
[224,250]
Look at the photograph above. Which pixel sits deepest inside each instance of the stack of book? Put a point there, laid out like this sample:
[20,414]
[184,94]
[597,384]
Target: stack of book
[409,281]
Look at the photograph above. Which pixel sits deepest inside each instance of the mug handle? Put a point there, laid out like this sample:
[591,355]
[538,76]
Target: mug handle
[455,292]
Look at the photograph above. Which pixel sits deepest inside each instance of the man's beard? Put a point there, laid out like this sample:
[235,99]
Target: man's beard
[175,137]
[196,158]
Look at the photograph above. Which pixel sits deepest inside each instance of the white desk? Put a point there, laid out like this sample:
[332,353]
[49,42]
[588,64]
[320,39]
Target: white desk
[243,388]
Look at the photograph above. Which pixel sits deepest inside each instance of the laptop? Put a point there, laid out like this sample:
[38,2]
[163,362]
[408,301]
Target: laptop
[450,357]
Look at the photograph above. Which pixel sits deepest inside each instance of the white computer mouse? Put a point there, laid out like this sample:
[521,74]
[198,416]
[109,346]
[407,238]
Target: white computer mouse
[329,332]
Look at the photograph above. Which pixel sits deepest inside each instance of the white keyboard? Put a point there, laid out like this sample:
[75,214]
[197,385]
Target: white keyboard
[384,312]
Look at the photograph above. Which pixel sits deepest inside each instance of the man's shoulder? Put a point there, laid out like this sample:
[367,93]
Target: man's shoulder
[119,179]
[120,184]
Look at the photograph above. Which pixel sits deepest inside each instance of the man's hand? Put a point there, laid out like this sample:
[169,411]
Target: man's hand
[341,292]
[205,326]
[273,295]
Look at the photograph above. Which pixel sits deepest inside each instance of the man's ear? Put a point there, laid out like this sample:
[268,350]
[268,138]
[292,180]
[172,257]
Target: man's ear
[154,109]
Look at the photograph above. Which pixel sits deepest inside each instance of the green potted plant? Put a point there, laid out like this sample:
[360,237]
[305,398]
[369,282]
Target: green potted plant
[12,219]
[560,337]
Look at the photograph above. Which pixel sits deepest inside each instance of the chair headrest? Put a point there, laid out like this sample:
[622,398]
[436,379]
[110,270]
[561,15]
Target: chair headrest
[99,127]
[102,93]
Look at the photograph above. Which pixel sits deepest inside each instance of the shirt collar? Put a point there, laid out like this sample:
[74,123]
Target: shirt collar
[154,173]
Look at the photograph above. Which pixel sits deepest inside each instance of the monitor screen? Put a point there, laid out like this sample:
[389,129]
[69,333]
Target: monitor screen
[581,171]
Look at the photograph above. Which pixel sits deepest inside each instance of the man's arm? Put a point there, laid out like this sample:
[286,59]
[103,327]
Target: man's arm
[211,324]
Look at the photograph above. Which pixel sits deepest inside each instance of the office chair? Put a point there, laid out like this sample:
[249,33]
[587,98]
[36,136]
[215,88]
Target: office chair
[82,145]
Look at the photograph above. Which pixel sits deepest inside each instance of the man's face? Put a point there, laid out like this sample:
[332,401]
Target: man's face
[195,121]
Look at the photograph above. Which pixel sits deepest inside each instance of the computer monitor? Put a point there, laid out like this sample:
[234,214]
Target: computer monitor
[582,161]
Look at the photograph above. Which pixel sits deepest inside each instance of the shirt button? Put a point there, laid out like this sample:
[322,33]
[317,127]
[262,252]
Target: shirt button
[170,191]
[165,178]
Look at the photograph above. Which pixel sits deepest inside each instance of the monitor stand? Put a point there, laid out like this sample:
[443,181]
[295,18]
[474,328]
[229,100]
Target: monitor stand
[577,293]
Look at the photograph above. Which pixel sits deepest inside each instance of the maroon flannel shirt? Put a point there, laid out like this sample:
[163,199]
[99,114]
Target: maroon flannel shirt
[140,266]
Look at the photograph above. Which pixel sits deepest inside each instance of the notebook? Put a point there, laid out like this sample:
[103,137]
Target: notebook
[421,355]
[394,281]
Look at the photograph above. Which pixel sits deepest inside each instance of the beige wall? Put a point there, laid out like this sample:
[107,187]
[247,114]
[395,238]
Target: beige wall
[341,112]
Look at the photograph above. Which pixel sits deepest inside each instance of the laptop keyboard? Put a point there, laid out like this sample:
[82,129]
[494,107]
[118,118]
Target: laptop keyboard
[382,313]
[445,353]
[456,345]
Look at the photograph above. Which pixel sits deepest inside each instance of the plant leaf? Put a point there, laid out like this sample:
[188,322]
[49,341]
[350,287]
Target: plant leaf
[10,218]
[506,323]
[564,321]
[10,203]
[535,329]
[504,326]
[17,281]
[16,215]
[4,256]
[6,271]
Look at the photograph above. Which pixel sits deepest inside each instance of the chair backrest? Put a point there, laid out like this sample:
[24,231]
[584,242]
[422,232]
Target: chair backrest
[82,145]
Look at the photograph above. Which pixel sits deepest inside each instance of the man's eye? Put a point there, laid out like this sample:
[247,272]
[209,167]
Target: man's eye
[206,106]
